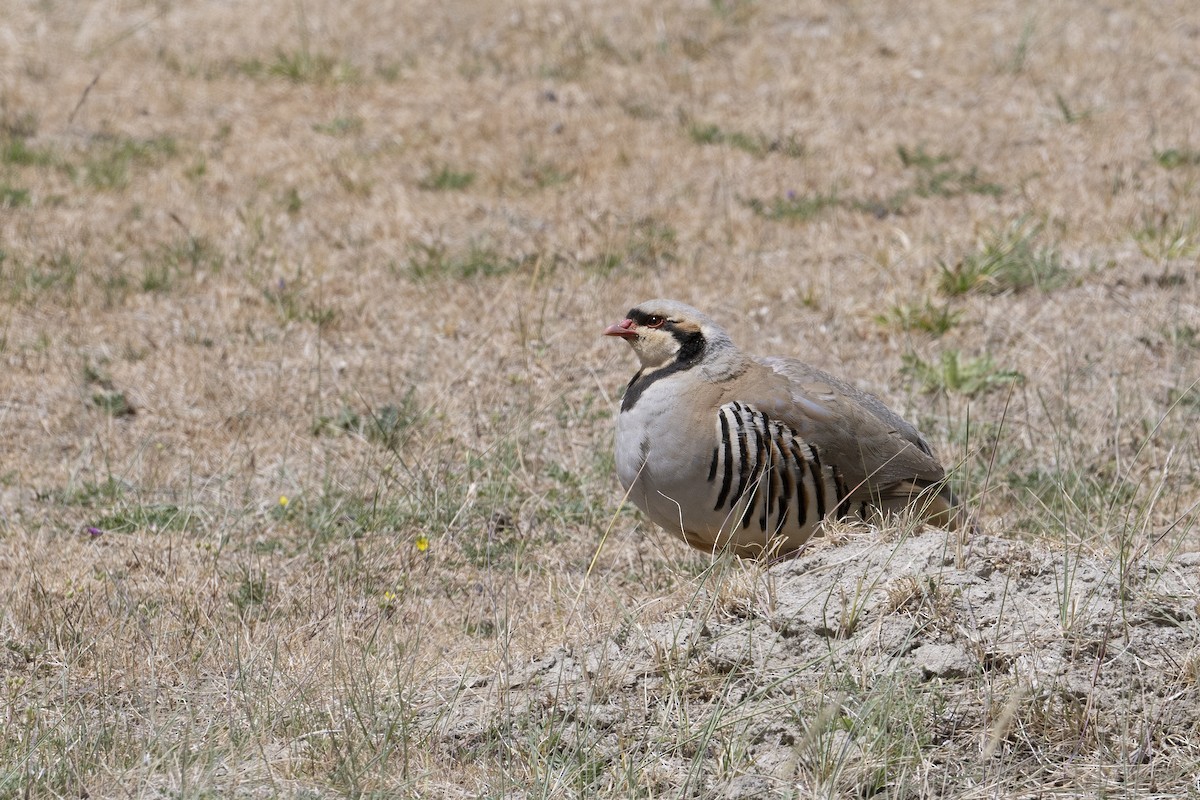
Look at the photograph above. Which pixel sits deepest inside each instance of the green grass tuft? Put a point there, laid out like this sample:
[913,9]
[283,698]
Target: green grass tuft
[107,165]
[937,176]
[13,196]
[436,261]
[926,317]
[1007,260]
[955,374]
[340,126]
[300,66]
[756,144]
[794,207]
[54,272]
[388,426]
[18,153]
[445,178]
[1169,237]
[1173,157]
[113,403]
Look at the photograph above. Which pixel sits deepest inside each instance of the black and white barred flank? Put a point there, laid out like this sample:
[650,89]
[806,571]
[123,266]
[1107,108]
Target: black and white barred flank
[765,465]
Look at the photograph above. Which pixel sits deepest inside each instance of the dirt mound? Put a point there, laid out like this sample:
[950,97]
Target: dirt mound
[909,667]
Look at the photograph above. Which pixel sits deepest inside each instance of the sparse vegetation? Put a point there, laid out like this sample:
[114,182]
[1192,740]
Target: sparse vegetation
[1169,237]
[954,373]
[1011,259]
[446,178]
[307,480]
[115,404]
[17,152]
[50,273]
[794,207]
[387,426]
[340,126]
[937,176]
[108,163]
[756,144]
[933,176]
[12,196]
[437,261]
[645,244]
[1173,157]
[1070,114]
[300,66]
[925,317]
[293,302]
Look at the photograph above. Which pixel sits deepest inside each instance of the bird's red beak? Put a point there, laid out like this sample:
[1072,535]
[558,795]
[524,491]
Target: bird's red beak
[624,329]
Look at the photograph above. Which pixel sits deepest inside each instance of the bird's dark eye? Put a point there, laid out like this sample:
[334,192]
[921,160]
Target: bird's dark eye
[654,321]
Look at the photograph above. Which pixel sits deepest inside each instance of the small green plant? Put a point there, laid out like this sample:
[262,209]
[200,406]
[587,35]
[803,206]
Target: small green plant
[289,300]
[544,174]
[756,144]
[1072,493]
[432,261]
[1020,54]
[1173,157]
[340,126]
[17,124]
[1168,237]
[705,134]
[926,317]
[793,207]
[113,403]
[192,253]
[291,201]
[251,593]
[637,109]
[647,243]
[152,517]
[386,426]
[107,167]
[936,176]
[953,373]
[197,169]
[156,277]
[90,494]
[650,244]
[57,271]
[1070,115]
[12,196]
[300,66]
[445,178]
[1007,260]
[1183,336]
[184,256]
[16,151]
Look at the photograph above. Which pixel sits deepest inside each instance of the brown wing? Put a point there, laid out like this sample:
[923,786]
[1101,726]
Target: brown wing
[879,454]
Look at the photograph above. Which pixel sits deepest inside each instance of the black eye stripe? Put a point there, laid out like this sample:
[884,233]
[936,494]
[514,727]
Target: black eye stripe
[650,320]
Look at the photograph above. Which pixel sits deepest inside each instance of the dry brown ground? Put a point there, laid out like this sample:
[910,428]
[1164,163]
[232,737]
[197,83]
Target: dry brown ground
[358,255]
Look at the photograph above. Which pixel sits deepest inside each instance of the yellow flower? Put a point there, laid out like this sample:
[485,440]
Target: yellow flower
[283,501]
[422,543]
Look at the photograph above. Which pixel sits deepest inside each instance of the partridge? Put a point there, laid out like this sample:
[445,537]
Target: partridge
[726,449]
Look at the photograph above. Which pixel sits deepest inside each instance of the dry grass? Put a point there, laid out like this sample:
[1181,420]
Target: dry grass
[358,255]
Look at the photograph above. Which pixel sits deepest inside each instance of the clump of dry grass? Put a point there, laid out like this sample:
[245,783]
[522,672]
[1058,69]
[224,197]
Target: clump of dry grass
[361,261]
